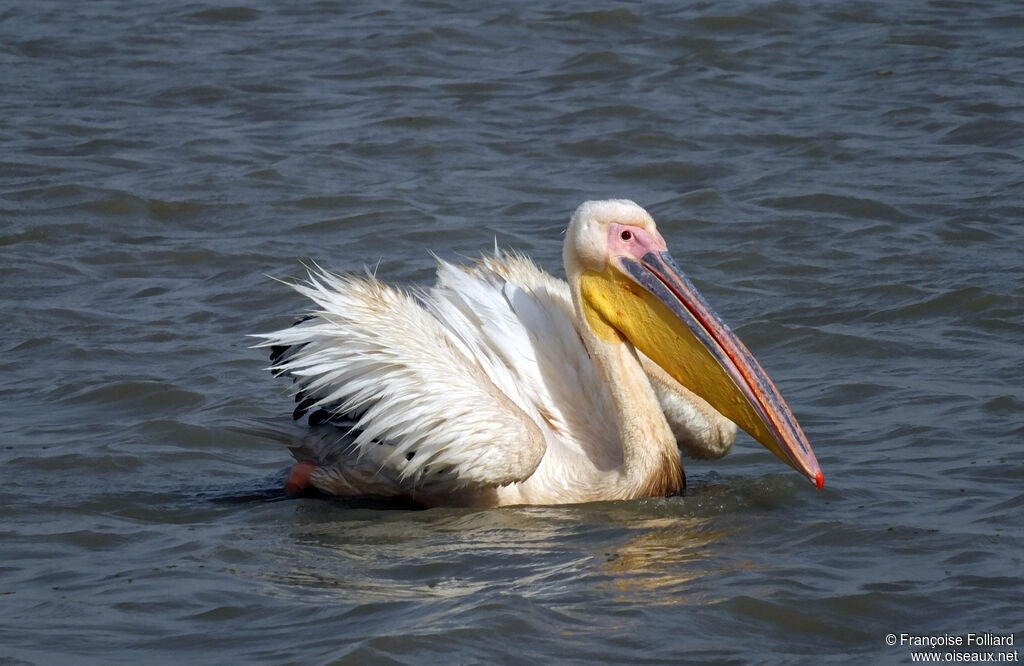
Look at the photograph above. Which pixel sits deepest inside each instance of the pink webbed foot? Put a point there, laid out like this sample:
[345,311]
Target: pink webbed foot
[298,479]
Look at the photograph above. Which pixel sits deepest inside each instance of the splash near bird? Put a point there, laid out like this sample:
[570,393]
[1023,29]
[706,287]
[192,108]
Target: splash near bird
[502,385]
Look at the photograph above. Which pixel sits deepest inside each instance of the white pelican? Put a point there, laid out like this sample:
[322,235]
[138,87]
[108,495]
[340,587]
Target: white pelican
[502,385]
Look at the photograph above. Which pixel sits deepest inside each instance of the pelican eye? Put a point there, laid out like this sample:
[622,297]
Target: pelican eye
[626,235]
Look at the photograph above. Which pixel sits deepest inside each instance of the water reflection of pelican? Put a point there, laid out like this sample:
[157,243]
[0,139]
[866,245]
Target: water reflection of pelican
[663,561]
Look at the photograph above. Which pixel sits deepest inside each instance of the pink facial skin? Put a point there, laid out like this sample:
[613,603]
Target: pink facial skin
[626,239]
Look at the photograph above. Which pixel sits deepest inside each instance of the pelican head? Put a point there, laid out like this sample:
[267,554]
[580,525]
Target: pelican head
[629,290]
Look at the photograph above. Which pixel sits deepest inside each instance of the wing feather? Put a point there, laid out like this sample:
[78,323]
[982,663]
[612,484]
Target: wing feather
[375,354]
[531,350]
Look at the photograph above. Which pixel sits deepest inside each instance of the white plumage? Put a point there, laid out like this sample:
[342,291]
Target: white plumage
[487,389]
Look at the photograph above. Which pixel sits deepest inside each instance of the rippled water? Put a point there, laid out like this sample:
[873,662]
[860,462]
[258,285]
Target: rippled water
[842,180]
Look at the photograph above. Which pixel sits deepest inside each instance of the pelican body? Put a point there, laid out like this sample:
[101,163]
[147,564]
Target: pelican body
[502,385]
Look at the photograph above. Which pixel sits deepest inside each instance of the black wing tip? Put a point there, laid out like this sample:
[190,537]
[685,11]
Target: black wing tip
[305,405]
[277,352]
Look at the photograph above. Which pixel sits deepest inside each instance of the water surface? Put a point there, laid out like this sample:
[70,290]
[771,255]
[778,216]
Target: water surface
[843,182]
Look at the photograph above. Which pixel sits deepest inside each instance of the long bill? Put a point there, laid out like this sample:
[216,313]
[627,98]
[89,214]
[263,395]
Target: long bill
[653,305]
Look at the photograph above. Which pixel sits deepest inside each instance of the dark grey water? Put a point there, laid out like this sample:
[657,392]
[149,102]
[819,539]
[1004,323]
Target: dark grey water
[844,181]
